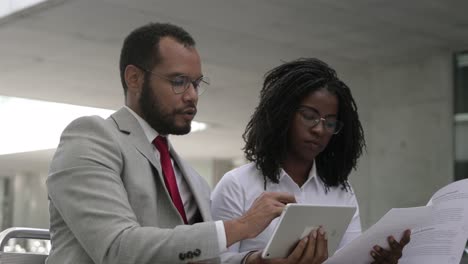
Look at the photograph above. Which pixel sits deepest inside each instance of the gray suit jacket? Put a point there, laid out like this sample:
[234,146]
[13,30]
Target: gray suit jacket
[108,202]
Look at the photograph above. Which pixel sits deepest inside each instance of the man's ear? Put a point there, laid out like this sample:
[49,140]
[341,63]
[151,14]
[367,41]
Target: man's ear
[134,78]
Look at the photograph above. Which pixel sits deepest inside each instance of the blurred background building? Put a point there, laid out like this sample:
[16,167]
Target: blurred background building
[404,61]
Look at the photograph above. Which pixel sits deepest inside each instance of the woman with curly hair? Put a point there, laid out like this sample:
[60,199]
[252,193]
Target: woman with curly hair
[304,138]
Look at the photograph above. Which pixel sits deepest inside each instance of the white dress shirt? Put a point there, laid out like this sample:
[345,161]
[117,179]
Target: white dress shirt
[190,205]
[238,189]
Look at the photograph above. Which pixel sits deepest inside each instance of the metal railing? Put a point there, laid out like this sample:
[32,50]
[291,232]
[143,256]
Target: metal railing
[22,232]
[10,255]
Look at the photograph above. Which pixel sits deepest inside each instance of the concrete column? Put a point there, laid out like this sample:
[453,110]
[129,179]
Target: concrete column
[30,206]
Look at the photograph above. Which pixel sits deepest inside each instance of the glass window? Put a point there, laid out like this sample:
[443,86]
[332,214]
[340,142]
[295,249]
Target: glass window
[461,115]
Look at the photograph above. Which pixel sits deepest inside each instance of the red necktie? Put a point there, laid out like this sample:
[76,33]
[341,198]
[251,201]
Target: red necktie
[169,175]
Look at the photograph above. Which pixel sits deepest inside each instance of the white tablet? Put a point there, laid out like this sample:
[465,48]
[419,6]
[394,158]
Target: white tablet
[298,220]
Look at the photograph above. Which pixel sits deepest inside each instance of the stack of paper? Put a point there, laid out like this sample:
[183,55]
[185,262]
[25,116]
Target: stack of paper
[439,231]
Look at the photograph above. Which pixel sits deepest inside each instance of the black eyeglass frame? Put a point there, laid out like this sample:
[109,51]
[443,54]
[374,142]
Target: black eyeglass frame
[338,125]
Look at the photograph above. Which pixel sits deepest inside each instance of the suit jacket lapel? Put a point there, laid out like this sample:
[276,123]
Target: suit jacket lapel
[203,207]
[127,124]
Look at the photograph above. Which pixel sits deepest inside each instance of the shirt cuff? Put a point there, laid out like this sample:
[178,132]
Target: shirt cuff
[221,236]
[244,260]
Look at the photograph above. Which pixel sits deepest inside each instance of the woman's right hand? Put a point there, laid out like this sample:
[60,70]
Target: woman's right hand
[312,249]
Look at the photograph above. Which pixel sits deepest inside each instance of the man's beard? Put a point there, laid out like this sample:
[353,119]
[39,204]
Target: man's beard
[163,123]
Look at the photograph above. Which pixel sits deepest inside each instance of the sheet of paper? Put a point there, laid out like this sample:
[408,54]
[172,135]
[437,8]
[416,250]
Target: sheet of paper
[395,222]
[439,231]
[444,238]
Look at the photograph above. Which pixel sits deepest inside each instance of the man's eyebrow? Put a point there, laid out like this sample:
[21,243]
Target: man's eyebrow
[176,74]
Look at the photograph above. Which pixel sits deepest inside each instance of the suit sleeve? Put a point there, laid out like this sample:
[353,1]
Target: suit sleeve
[86,188]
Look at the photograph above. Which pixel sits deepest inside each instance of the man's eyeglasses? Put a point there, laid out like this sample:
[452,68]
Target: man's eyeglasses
[311,119]
[181,83]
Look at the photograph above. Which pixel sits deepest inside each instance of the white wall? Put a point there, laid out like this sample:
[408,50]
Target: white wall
[358,79]
[408,120]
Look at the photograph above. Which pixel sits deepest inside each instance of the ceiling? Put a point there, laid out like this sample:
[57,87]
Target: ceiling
[67,51]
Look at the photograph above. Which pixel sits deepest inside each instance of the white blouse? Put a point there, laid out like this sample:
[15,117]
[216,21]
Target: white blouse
[238,189]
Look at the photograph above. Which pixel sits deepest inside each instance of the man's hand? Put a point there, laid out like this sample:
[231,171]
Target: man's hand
[312,249]
[266,207]
[382,256]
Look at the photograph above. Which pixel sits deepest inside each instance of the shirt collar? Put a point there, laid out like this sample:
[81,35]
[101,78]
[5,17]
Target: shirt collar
[150,133]
[312,174]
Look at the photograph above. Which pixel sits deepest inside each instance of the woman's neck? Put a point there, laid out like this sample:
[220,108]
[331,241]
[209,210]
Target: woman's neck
[298,170]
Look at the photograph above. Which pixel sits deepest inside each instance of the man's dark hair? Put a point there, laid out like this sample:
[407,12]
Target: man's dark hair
[141,46]
[266,134]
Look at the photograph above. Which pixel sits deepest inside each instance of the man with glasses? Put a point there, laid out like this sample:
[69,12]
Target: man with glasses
[118,191]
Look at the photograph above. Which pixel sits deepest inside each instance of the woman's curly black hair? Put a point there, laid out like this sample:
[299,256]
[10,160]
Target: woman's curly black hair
[266,134]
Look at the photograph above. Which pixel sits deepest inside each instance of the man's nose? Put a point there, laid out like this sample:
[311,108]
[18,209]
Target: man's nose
[191,94]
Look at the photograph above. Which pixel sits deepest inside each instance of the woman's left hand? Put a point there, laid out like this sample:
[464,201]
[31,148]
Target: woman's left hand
[391,256]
